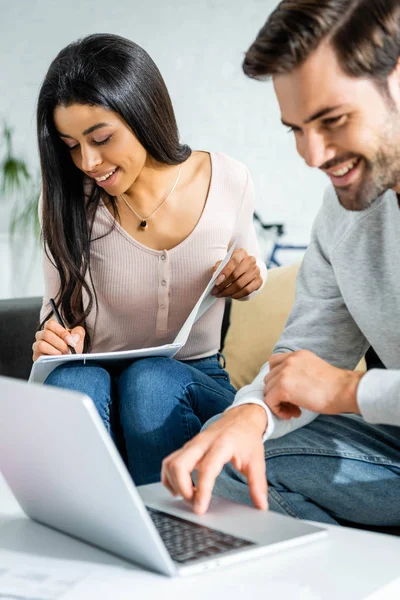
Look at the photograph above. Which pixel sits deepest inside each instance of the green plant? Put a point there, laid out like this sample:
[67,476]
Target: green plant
[18,185]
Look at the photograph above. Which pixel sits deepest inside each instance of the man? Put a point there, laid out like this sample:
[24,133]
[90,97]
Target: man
[335,66]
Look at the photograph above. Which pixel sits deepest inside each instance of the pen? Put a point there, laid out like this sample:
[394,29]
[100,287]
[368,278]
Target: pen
[59,320]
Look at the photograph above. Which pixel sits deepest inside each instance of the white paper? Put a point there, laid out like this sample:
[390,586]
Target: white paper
[388,592]
[42,368]
[205,301]
[36,583]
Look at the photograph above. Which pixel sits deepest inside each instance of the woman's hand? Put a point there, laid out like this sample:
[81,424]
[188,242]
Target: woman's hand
[54,340]
[239,278]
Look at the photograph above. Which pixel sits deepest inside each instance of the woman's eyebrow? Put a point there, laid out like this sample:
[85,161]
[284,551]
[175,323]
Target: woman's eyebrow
[87,131]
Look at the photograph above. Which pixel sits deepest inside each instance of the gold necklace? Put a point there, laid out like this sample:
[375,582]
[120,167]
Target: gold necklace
[143,220]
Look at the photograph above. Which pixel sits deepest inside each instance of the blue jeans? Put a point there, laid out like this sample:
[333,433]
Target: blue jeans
[336,469]
[151,407]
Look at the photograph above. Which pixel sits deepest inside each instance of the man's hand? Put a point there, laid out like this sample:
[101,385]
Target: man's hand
[302,380]
[239,278]
[236,438]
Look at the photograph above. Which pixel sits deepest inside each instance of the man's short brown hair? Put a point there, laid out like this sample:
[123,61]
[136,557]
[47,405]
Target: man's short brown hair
[365,35]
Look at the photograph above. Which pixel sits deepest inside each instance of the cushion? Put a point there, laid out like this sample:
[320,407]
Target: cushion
[256,325]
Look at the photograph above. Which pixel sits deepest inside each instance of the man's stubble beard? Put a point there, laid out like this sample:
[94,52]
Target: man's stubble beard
[381,174]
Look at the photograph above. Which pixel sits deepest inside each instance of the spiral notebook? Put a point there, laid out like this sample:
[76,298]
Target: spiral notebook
[42,368]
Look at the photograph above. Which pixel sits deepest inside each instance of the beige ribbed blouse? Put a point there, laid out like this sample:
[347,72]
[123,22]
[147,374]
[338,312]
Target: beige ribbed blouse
[145,295]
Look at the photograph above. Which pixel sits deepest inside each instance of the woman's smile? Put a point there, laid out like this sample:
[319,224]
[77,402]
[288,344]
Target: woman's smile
[107,178]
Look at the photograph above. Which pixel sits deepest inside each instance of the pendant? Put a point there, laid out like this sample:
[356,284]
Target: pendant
[143,224]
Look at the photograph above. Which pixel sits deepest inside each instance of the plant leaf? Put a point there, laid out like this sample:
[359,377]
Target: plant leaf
[26,217]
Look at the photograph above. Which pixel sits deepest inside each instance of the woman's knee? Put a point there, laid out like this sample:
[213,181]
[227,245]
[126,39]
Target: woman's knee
[154,396]
[87,379]
[152,379]
[92,380]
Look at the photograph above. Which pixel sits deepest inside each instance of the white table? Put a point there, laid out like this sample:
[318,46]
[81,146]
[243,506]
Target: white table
[346,565]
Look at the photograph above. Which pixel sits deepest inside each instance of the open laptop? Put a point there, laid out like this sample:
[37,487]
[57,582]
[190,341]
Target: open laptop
[66,472]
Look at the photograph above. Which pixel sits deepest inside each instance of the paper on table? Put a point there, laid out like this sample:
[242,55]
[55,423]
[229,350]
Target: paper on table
[37,583]
[388,592]
[42,368]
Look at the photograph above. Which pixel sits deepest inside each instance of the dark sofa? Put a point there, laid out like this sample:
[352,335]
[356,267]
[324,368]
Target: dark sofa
[19,319]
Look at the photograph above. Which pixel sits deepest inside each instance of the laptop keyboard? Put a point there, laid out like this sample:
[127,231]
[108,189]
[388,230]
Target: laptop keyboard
[187,541]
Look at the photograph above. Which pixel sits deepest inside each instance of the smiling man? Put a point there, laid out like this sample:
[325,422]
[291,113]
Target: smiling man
[322,439]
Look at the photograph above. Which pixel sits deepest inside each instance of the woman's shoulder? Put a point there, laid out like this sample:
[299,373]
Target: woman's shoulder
[231,168]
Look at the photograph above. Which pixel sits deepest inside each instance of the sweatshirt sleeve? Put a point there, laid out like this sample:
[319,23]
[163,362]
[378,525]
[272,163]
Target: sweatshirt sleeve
[319,322]
[254,394]
[378,397]
[246,235]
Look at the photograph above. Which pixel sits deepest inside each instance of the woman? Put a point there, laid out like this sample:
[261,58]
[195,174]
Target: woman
[133,225]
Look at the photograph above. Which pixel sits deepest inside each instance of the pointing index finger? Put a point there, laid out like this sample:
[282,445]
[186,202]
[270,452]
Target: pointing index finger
[178,467]
[208,470]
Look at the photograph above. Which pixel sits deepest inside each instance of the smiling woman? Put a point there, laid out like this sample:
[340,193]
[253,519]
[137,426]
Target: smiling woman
[133,224]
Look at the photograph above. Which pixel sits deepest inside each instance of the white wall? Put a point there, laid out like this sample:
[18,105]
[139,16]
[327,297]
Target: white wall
[198,46]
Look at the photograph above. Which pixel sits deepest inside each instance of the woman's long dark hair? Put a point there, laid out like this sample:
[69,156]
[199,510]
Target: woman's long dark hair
[112,72]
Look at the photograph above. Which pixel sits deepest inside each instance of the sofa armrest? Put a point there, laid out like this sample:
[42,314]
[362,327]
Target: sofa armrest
[19,320]
[226,321]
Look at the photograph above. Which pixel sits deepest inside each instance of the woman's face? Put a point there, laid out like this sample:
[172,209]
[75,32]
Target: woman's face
[101,145]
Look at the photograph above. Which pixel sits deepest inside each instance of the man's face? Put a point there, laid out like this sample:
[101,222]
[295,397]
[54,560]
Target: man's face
[345,126]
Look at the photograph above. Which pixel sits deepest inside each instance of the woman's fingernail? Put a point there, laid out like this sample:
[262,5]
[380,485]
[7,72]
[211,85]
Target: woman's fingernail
[76,337]
[70,340]
[220,279]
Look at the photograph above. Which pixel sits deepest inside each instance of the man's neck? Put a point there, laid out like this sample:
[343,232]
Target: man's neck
[396,189]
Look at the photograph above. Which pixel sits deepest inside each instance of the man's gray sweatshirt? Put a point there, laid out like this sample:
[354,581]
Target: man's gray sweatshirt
[347,299]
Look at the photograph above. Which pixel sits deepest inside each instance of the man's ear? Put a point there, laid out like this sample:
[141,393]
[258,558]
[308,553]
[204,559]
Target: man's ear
[393,82]
[397,69]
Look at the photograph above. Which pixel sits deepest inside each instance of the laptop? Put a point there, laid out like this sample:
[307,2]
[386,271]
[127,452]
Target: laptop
[66,473]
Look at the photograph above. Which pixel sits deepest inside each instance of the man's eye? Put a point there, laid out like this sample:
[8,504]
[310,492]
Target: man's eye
[334,121]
